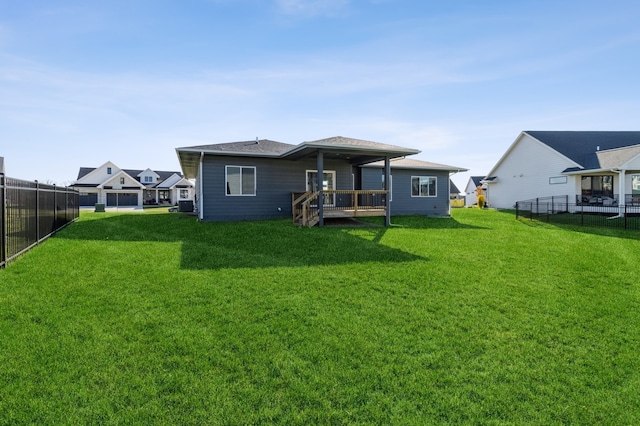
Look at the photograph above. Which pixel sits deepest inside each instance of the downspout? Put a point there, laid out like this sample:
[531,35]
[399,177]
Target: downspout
[387,187]
[201,198]
[320,173]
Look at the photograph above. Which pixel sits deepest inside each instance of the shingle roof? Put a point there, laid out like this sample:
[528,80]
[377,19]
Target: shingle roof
[582,146]
[477,180]
[341,141]
[261,146]
[85,171]
[410,163]
[613,158]
[131,172]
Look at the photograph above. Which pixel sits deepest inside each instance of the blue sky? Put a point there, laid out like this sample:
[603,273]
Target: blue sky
[84,82]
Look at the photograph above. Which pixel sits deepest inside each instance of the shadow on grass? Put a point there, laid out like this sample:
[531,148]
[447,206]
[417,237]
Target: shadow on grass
[589,224]
[253,244]
[422,222]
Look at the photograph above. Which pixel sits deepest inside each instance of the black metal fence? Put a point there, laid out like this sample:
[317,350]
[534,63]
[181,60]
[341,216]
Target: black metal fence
[31,212]
[559,210]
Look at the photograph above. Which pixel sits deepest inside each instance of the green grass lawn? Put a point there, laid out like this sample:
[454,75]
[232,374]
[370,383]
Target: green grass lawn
[154,318]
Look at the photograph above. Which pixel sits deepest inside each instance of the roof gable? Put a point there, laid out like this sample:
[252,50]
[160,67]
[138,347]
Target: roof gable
[148,172]
[114,180]
[617,158]
[97,175]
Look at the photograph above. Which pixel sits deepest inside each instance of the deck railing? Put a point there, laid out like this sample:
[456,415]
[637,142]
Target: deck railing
[337,203]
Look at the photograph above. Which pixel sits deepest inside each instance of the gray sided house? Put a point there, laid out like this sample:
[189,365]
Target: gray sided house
[408,177]
[264,179]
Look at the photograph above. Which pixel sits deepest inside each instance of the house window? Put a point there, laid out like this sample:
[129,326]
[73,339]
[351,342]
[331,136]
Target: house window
[148,179]
[597,186]
[108,170]
[557,180]
[423,186]
[184,193]
[635,184]
[163,196]
[121,181]
[240,180]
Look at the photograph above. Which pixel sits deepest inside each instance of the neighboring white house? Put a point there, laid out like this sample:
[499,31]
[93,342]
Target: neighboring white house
[113,186]
[470,194]
[588,167]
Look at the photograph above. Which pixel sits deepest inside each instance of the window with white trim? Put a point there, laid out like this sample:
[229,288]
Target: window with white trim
[240,180]
[423,186]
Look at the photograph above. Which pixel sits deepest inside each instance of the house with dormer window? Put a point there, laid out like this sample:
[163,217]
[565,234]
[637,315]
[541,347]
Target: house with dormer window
[115,187]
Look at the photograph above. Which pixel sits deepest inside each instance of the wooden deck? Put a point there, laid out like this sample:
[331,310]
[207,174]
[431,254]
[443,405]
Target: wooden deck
[337,204]
[331,213]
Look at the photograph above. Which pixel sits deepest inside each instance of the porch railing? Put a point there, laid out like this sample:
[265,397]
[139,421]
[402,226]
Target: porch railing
[337,203]
[607,200]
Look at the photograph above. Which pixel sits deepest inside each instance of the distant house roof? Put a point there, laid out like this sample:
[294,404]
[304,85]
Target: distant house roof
[585,147]
[453,189]
[163,175]
[477,180]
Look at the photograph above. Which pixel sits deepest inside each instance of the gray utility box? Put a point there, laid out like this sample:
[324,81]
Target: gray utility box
[185,206]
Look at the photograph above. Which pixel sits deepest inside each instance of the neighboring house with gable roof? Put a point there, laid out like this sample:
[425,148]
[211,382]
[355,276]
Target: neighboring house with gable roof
[264,179]
[471,190]
[589,167]
[113,186]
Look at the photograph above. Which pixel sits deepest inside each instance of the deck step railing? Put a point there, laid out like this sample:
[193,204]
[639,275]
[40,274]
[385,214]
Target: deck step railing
[337,203]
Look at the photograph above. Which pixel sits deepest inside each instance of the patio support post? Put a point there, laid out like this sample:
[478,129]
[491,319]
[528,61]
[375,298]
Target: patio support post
[621,191]
[387,187]
[320,167]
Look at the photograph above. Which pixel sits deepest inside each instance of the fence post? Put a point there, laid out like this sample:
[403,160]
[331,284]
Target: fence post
[3,216]
[625,216]
[37,212]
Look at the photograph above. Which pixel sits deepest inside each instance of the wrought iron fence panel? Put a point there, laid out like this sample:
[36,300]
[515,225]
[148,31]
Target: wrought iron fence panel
[31,212]
[553,211]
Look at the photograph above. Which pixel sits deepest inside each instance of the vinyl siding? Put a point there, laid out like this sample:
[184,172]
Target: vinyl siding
[524,174]
[276,179]
[402,202]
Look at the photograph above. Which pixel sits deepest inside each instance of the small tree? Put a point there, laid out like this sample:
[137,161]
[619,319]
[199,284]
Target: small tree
[480,196]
